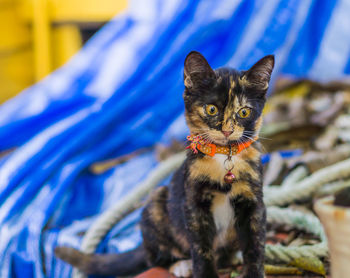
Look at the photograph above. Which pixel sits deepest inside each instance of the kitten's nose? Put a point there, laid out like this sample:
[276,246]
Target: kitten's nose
[227,133]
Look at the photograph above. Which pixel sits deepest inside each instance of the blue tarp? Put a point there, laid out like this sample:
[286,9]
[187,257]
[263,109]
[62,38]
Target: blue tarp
[123,92]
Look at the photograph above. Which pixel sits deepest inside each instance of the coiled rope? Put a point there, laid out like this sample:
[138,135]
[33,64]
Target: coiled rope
[306,222]
[112,216]
[278,196]
[302,190]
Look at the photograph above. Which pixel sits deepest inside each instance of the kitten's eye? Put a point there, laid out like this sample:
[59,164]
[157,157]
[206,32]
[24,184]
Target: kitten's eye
[244,112]
[211,109]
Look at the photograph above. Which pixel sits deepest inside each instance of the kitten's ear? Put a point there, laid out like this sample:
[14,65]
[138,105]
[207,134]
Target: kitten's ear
[197,69]
[258,76]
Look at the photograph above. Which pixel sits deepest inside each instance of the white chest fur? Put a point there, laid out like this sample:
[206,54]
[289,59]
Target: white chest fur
[222,211]
[220,159]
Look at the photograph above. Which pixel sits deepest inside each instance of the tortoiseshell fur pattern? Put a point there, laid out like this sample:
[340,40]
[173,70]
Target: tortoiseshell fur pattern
[199,217]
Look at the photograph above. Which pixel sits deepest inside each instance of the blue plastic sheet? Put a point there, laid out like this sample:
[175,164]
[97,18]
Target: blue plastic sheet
[123,92]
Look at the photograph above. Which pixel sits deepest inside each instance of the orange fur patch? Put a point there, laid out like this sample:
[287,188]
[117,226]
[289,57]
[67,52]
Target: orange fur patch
[208,167]
[243,189]
[258,124]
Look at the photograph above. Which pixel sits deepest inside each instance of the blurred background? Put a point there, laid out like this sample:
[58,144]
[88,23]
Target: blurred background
[39,36]
[91,95]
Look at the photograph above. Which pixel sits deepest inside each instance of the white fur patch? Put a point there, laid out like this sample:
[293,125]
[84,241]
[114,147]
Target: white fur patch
[238,258]
[222,212]
[221,208]
[181,268]
[220,159]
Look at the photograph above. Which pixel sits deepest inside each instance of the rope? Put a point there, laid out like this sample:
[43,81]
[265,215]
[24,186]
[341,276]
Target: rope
[109,218]
[333,187]
[281,196]
[306,222]
[273,197]
[301,221]
[296,175]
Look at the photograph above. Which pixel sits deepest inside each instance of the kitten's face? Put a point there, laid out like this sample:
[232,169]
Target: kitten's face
[225,106]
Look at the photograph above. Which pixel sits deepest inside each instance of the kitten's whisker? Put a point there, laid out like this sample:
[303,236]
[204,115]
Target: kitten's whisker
[246,136]
[253,133]
[202,134]
[207,138]
[262,146]
[249,132]
[245,149]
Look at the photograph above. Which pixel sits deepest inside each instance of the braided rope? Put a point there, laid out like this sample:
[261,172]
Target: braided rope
[280,196]
[333,187]
[112,216]
[295,176]
[301,221]
[286,254]
[273,196]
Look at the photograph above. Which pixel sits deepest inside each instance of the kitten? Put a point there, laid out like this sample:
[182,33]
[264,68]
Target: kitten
[213,206]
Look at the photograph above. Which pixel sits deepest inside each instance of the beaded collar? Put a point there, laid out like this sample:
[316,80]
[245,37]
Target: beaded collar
[199,144]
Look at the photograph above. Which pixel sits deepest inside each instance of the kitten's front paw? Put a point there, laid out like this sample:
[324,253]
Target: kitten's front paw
[181,268]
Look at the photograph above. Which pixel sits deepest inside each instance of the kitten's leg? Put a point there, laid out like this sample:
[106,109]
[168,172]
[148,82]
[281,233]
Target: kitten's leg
[157,238]
[200,228]
[251,227]
[225,254]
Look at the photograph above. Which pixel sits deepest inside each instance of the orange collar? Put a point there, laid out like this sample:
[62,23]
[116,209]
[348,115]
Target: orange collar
[198,144]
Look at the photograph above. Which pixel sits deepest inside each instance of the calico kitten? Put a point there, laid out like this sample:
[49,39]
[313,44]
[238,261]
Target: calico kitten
[214,204]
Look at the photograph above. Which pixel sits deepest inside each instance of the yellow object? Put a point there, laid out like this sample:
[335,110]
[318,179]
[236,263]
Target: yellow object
[312,264]
[38,36]
[281,270]
[298,91]
[66,41]
[86,10]
[41,38]
[15,51]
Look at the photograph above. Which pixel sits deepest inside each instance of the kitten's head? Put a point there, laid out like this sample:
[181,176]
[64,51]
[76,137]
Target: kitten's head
[224,106]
